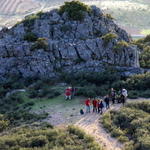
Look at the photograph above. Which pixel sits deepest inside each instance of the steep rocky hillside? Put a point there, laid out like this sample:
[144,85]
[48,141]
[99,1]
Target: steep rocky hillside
[47,43]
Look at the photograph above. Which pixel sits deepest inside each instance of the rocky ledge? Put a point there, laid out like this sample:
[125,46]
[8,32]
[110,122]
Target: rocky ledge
[47,43]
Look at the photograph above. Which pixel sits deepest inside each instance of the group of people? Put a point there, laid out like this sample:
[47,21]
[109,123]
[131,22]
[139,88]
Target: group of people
[98,104]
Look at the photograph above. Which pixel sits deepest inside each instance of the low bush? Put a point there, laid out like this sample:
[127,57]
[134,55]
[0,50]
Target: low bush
[144,45]
[133,94]
[3,123]
[145,106]
[144,58]
[145,94]
[19,117]
[41,43]
[109,37]
[147,38]
[120,46]
[87,92]
[138,82]
[30,37]
[109,16]
[75,10]
[29,20]
[45,139]
[130,123]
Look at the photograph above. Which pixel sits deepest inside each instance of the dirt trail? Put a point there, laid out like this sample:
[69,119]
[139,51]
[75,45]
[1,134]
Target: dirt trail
[91,125]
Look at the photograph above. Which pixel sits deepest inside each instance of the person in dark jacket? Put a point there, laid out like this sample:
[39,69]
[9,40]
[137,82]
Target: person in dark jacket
[113,95]
[100,106]
[106,100]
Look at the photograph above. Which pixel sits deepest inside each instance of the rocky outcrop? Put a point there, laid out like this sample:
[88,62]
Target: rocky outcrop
[71,46]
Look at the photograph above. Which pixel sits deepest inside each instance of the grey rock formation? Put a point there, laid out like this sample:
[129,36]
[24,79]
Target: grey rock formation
[72,46]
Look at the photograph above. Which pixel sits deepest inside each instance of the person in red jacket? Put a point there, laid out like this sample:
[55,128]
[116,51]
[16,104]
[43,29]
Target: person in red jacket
[94,102]
[68,93]
[87,104]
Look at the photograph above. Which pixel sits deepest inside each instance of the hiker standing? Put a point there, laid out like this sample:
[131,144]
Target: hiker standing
[112,95]
[124,95]
[87,104]
[100,106]
[94,102]
[68,93]
[106,99]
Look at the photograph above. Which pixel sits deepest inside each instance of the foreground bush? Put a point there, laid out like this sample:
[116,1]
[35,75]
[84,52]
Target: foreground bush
[3,123]
[131,123]
[45,139]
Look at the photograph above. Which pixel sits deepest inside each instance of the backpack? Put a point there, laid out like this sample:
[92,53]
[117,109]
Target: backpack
[81,111]
[124,93]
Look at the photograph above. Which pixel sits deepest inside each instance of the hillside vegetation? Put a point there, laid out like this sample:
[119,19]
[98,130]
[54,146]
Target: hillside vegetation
[47,139]
[130,125]
[144,45]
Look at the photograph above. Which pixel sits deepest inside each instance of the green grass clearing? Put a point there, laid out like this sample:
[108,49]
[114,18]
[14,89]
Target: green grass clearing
[60,111]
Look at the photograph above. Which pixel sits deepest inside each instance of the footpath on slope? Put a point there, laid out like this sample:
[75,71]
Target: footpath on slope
[61,116]
[90,123]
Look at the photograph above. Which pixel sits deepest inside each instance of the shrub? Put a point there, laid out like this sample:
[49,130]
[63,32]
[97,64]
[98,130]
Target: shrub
[3,123]
[106,121]
[133,94]
[118,84]
[131,122]
[75,10]
[109,37]
[109,16]
[145,93]
[144,58]
[29,20]
[76,131]
[46,139]
[38,141]
[145,106]
[41,43]
[138,82]
[116,132]
[123,139]
[147,38]
[120,45]
[87,92]
[15,98]
[30,37]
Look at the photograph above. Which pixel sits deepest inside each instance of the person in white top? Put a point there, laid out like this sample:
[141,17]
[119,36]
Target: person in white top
[124,95]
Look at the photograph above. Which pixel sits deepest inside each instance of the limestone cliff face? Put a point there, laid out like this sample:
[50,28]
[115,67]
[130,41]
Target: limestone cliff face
[70,46]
